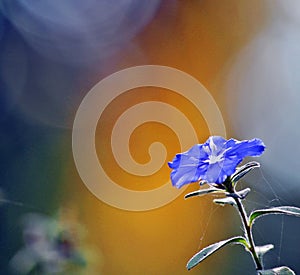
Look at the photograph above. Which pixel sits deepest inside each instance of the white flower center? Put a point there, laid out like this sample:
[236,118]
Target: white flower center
[214,153]
[215,158]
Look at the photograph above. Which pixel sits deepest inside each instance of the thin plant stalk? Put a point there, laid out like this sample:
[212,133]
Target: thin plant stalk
[248,233]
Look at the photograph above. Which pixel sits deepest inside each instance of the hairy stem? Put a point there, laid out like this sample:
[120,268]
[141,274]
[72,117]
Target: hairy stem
[248,232]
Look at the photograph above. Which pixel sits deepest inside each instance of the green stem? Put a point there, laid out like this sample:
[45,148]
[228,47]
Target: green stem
[248,232]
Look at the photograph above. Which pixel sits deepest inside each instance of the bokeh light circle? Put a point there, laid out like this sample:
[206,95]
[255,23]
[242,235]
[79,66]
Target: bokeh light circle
[79,32]
[95,102]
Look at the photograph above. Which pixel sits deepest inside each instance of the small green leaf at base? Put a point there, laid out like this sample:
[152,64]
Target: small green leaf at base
[224,201]
[207,251]
[287,210]
[283,270]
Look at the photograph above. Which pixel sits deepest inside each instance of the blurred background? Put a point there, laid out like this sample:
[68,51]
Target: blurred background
[246,53]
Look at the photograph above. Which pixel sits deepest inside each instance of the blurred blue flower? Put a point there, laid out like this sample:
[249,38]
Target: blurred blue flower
[212,161]
[49,247]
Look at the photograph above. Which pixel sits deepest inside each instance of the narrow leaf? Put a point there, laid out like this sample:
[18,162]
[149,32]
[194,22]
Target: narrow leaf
[240,194]
[262,250]
[243,170]
[224,201]
[243,193]
[207,251]
[203,192]
[287,210]
[283,270]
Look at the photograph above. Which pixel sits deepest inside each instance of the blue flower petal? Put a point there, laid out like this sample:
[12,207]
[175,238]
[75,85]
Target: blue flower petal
[188,166]
[215,144]
[182,177]
[229,164]
[246,148]
[215,174]
[212,161]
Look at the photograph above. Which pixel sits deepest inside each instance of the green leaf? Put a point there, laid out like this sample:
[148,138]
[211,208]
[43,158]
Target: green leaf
[243,170]
[240,194]
[203,192]
[224,201]
[283,270]
[243,193]
[262,250]
[287,210]
[207,251]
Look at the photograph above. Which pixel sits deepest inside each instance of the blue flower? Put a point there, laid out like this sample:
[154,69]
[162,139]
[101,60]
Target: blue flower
[212,161]
[50,246]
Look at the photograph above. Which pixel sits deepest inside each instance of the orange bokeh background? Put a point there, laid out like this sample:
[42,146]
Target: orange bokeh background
[197,37]
[245,53]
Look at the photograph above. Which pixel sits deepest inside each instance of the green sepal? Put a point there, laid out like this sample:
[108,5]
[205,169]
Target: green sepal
[243,170]
[224,201]
[282,270]
[240,194]
[202,192]
[207,251]
[287,210]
